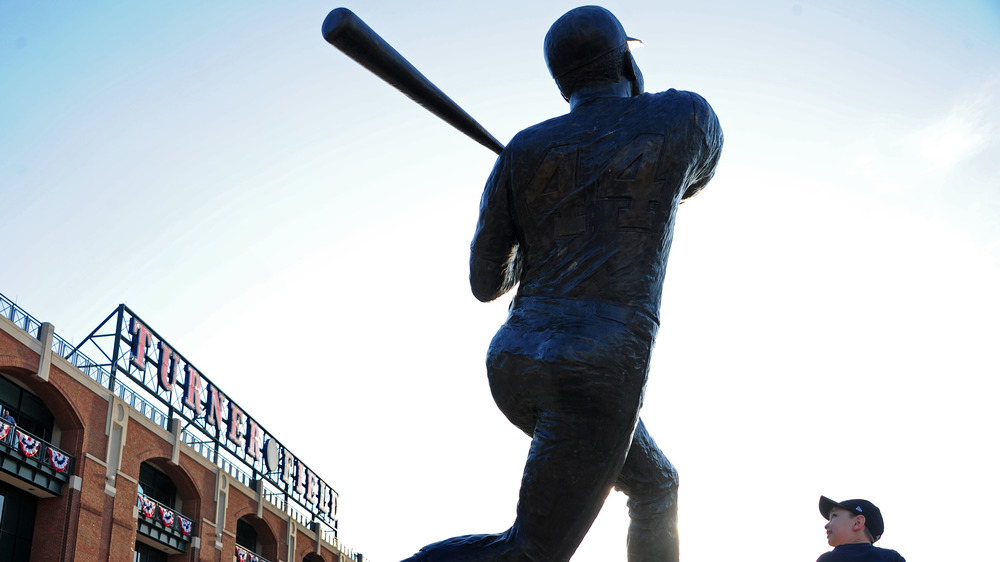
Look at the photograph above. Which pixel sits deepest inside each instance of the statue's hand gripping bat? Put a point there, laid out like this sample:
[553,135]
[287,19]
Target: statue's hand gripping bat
[347,32]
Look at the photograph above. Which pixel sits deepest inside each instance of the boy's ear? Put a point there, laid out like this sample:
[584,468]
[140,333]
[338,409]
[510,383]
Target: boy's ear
[859,523]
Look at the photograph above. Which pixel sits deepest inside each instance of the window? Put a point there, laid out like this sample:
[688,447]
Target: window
[246,535]
[157,485]
[28,410]
[17,524]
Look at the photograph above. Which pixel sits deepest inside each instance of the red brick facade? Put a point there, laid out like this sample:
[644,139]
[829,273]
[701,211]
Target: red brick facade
[95,516]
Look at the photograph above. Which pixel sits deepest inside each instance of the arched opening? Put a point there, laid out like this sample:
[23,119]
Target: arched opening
[27,411]
[313,557]
[40,413]
[34,466]
[246,536]
[155,484]
[254,538]
[167,511]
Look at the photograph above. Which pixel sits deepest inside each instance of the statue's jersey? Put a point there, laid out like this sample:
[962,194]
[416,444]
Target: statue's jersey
[589,198]
[583,206]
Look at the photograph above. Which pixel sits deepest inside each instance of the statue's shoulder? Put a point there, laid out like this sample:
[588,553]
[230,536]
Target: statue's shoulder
[540,133]
[679,97]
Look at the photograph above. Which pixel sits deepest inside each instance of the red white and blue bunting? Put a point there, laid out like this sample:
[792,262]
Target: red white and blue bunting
[59,460]
[4,429]
[185,526]
[166,516]
[245,555]
[148,507]
[29,445]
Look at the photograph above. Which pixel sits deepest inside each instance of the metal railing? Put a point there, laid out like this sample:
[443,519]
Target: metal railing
[19,317]
[63,348]
[29,446]
[164,516]
[142,405]
[349,553]
[246,555]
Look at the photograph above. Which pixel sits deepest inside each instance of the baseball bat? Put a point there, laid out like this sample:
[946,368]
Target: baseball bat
[345,31]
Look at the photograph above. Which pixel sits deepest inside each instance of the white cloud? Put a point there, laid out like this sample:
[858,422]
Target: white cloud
[894,158]
[963,133]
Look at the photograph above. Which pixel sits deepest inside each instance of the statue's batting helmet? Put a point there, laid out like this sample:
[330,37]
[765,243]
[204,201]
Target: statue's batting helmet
[583,35]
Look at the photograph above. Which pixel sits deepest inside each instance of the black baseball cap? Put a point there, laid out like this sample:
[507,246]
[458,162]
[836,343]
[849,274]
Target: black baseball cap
[873,517]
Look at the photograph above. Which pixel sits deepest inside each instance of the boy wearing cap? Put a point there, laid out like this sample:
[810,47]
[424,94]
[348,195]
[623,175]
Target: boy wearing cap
[852,527]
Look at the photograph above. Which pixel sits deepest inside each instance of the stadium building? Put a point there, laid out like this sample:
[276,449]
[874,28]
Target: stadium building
[119,449]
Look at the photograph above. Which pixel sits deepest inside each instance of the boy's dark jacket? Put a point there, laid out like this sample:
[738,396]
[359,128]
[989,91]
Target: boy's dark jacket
[860,552]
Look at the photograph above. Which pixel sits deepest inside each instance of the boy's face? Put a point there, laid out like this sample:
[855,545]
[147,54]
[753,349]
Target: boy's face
[842,527]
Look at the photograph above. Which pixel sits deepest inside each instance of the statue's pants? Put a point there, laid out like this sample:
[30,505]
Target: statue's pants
[571,374]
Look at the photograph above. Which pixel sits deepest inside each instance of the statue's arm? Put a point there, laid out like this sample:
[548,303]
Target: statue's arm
[491,279]
[707,143]
[494,262]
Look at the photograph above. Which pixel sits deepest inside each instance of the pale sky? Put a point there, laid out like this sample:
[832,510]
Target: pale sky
[299,230]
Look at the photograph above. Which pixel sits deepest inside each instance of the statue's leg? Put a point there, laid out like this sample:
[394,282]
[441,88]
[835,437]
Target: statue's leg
[650,482]
[574,384]
[572,464]
[572,377]
[579,378]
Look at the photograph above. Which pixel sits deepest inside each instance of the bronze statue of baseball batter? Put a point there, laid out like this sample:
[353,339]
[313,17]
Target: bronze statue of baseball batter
[579,213]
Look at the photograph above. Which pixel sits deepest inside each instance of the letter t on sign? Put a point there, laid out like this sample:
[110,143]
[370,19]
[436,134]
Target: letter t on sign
[140,341]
